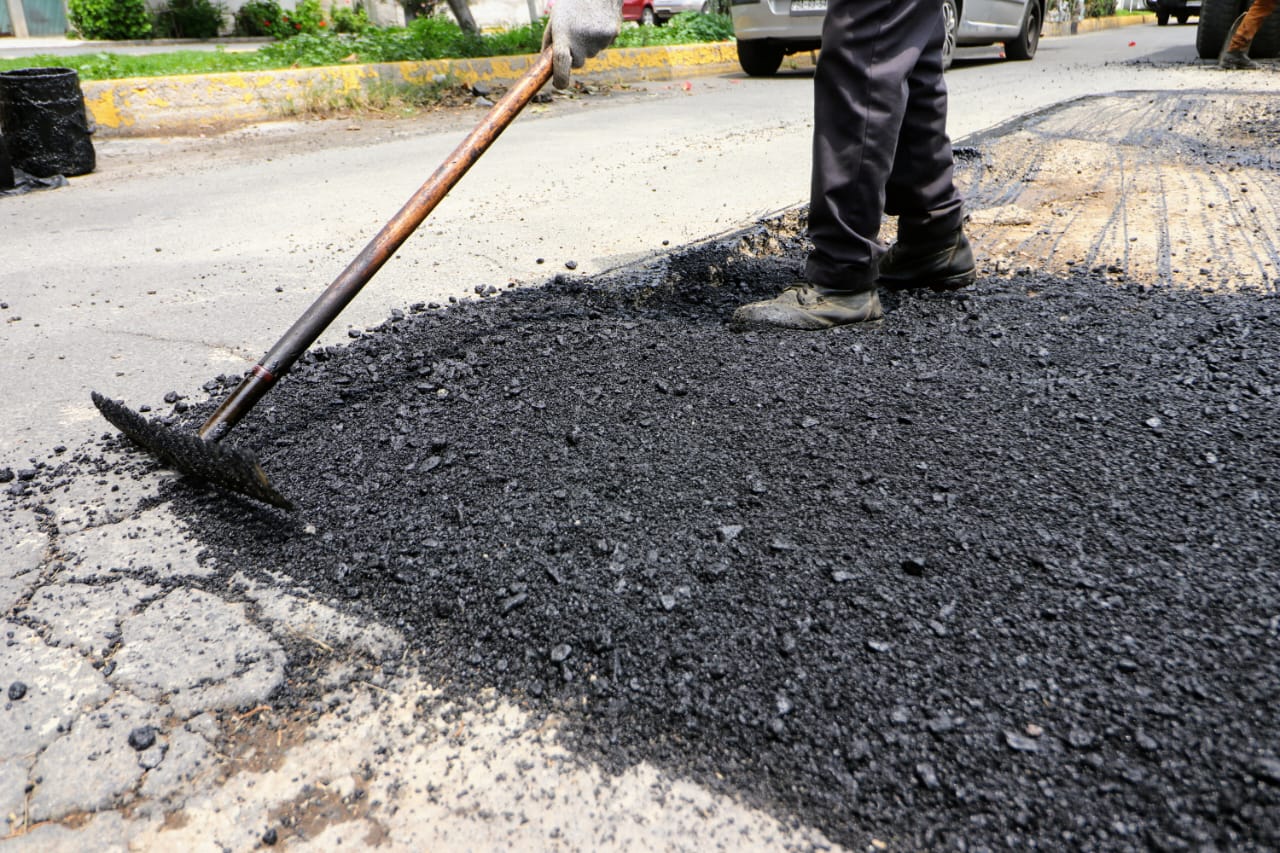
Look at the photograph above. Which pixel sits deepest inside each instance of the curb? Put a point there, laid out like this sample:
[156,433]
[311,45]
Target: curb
[141,106]
[152,105]
[1093,25]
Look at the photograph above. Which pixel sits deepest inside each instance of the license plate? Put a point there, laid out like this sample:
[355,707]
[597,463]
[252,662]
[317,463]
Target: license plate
[808,5]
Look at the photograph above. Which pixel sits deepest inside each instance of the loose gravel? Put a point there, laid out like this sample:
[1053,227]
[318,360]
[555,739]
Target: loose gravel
[1000,570]
[996,572]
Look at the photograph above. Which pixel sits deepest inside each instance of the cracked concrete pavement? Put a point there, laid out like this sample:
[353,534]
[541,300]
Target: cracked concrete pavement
[149,700]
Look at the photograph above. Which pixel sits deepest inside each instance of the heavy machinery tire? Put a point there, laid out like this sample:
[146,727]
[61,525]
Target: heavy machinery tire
[1266,44]
[759,58]
[1216,18]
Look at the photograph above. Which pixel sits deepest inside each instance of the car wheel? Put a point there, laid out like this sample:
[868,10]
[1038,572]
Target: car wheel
[950,23]
[1217,17]
[1162,19]
[759,58]
[1024,46]
[647,18]
[1182,19]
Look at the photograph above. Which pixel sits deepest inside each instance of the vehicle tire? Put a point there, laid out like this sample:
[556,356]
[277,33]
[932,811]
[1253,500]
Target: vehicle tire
[647,18]
[1182,19]
[1162,19]
[759,58]
[1216,18]
[1024,46]
[951,22]
[1266,44]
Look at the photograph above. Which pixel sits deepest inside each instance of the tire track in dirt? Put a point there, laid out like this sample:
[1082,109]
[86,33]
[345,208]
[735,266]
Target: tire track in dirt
[1121,185]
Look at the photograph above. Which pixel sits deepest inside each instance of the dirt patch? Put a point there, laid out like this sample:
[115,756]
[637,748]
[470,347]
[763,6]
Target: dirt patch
[1167,188]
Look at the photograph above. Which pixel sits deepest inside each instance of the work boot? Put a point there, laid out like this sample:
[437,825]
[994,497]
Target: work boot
[946,264]
[1236,60]
[808,307]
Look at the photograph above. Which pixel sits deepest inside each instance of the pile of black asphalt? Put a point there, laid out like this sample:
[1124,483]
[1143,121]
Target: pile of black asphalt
[998,571]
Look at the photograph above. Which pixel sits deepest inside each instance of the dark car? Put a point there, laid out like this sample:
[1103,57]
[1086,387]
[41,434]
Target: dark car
[1180,10]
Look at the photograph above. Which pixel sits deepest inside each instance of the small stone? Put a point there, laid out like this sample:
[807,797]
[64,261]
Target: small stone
[270,837]
[1268,769]
[1154,423]
[571,265]
[940,724]
[668,601]
[729,532]
[928,776]
[1127,665]
[879,646]
[16,691]
[1033,730]
[483,102]
[1146,742]
[6,475]
[561,653]
[1020,743]
[913,566]
[1081,739]
[841,576]
[142,737]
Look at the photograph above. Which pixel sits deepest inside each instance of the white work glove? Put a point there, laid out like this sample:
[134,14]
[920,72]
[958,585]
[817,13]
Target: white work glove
[578,30]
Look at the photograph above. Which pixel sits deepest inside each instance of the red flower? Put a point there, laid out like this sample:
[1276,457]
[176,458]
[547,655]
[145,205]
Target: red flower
[297,26]
[324,23]
[266,23]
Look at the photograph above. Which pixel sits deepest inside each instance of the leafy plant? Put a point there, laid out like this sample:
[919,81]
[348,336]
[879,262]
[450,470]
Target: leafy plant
[685,28]
[110,19]
[308,18]
[354,21]
[196,19]
[1099,8]
[262,18]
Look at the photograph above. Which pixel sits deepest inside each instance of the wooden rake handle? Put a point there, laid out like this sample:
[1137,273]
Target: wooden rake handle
[338,295]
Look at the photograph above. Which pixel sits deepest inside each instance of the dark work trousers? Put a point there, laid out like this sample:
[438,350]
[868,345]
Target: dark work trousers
[880,141]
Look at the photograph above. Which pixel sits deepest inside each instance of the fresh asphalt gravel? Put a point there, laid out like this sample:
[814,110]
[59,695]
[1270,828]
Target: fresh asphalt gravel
[997,572]
[1000,569]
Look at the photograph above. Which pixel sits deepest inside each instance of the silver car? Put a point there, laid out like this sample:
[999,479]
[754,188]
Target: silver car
[768,30]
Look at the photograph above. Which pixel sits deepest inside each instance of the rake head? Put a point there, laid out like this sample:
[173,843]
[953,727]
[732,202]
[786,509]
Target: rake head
[236,470]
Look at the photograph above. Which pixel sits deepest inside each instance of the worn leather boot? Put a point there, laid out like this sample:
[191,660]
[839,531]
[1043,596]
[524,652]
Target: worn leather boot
[808,307]
[1236,60]
[946,264]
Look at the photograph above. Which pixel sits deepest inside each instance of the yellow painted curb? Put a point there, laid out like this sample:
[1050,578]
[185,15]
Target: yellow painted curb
[1093,25]
[152,105]
[185,104]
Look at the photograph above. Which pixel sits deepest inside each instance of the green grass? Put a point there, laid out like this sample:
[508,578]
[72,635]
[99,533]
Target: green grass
[428,38]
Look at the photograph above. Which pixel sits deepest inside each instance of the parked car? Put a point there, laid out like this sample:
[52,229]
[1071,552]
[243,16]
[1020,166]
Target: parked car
[1216,20]
[657,12]
[1180,10]
[768,30]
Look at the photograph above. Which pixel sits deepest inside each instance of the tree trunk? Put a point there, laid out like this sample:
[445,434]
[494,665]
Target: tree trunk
[462,13]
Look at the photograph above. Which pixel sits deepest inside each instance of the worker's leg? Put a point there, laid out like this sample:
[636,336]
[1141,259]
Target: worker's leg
[1249,27]
[870,50]
[921,191]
